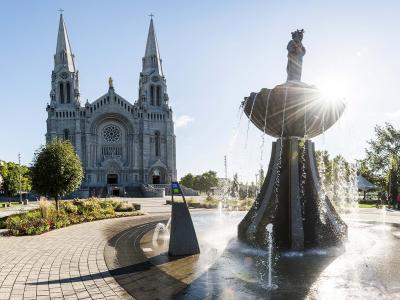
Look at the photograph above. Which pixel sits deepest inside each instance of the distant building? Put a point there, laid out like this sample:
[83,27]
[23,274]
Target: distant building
[123,145]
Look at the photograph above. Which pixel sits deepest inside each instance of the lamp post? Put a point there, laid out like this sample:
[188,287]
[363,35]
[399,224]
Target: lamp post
[19,175]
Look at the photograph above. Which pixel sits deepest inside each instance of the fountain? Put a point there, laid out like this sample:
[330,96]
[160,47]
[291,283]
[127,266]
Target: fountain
[291,198]
[283,247]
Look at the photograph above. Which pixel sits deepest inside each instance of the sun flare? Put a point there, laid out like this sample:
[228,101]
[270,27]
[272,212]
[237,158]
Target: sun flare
[334,89]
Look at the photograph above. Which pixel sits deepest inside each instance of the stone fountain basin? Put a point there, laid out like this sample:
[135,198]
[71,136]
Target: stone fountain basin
[292,109]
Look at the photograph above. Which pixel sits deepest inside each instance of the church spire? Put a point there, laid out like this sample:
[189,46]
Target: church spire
[151,59]
[63,57]
[65,77]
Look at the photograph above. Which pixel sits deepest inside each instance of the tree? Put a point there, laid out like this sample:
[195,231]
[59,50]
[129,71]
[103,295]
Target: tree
[187,180]
[57,170]
[209,180]
[235,186]
[202,183]
[11,173]
[393,178]
[381,152]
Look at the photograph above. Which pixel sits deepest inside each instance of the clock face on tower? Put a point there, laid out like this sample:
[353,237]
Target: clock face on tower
[64,75]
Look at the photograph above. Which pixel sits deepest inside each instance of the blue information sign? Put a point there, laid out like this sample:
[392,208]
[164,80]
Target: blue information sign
[175,188]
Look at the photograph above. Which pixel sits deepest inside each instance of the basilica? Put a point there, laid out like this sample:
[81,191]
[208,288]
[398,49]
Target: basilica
[124,145]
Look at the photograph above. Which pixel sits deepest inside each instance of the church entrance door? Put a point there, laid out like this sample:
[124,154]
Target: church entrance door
[115,192]
[112,179]
[156,179]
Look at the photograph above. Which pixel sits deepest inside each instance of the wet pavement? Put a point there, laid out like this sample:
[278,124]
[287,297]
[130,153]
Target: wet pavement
[366,268]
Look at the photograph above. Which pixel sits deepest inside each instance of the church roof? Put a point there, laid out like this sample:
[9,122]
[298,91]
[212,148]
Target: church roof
[64,56]
[152,51]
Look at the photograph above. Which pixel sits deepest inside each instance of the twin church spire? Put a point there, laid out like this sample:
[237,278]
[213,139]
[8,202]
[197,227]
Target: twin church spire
[65,79]
[151,59]
[63,57]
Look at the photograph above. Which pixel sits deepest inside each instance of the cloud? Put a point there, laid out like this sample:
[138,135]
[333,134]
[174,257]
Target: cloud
[183,121]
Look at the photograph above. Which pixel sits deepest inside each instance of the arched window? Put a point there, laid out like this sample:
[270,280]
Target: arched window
[66,134]
[62,92]
[68,92]
[158,143]
[152,94]
[158,95]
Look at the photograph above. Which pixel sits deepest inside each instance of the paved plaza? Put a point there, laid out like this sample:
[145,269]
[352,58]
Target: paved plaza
[62,264]
[69,263]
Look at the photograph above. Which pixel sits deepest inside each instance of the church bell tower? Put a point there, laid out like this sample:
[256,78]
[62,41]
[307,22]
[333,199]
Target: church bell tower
[152,83]
[65,77]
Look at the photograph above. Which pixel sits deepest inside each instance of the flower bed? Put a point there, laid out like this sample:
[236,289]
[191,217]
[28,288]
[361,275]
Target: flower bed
[46,218]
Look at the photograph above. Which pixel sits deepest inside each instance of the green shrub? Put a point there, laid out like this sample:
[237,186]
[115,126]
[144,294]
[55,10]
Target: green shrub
[69,207]
[44,206]
[13,223]
[2,223]
[105,204]
[93,209]
[210,202]
[72,212]
[124,207]
[58,220]
[29,223]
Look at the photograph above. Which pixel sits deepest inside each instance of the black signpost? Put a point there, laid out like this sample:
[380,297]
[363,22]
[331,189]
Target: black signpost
[183,239]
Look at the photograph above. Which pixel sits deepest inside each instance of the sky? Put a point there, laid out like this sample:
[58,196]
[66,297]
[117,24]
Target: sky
[214,54]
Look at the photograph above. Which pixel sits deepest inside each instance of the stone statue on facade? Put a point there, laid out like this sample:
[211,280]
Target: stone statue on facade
[110,83]
[296,51]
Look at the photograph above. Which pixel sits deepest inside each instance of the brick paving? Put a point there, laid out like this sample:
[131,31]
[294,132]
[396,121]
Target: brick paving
[63,264]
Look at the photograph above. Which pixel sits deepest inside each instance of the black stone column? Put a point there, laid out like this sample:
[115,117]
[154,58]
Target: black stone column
[291,199]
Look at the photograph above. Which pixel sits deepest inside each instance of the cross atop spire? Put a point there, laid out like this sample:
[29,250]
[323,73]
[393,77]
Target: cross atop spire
[61,11]
[151,16]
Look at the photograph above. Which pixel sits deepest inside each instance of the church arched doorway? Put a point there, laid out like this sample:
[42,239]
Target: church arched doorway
[112,179]
[156,179]
[156,176]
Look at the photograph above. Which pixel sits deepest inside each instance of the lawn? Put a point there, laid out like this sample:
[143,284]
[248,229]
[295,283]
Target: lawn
[366,205]
[13,205]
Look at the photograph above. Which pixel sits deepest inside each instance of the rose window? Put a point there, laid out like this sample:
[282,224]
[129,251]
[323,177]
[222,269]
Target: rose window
[111,134]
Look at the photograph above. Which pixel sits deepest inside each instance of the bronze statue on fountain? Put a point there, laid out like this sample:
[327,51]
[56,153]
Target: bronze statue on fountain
[291,197]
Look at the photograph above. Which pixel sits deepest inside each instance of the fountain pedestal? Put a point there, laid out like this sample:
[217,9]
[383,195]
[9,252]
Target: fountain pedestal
[292,200]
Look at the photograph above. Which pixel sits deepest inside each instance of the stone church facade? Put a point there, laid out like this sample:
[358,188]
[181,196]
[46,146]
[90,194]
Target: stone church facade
[123,146]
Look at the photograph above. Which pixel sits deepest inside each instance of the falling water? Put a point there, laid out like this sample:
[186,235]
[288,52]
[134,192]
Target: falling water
[303,176]
[232,145]
[269,229]
[251,113]
[265,126]
[220,208]
[161,228]
[278,175]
